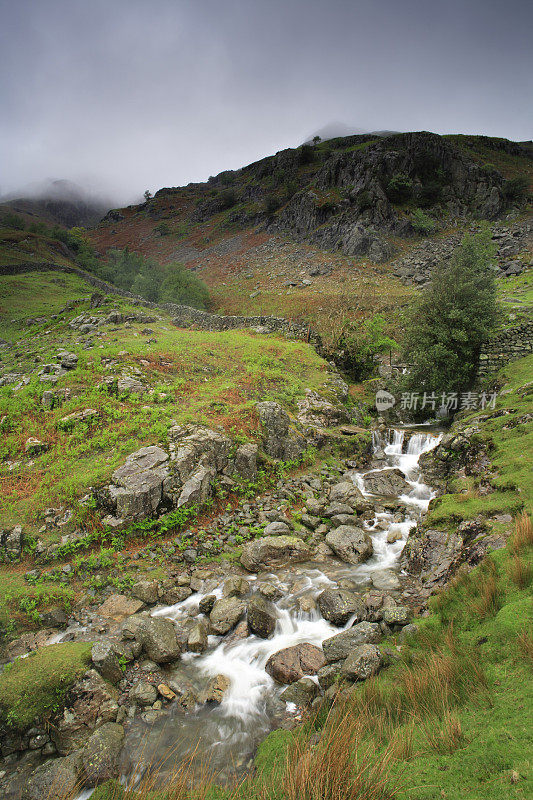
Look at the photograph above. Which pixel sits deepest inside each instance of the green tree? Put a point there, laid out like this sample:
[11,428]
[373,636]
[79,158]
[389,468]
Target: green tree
[456,314]
[184,287]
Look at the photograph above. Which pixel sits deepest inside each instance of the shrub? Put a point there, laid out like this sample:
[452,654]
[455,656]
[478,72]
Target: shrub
[163,228]
[271,205]
[227,199]
[15,221]
[399,188]
[516,190]
[447,326]
[422,223]
[184,287]
[307,154]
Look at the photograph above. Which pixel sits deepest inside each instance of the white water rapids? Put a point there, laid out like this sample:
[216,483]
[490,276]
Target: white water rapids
[229,733]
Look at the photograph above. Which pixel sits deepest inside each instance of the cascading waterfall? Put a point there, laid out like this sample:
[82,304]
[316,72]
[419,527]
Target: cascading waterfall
[229,733]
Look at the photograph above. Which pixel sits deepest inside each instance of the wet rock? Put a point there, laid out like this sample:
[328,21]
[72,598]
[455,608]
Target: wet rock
[292,663]
[364,661]
[166,692]
[52,779]
[273,551]
[197,639]
[225,614]
[207,603]
[91,702]
[236,587]
[261,617]
[390,482]
[100,756]
[215,691]
[118,606]
[345,492]
[329,674]
[339,647]
[159,639]
[338,605]
[385,579]
[350,544]
[301,692]
[147,591]
[106,661]
[176,594]
[143,693]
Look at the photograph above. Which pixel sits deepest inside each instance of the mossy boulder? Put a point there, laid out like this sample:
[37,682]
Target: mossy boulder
[34,687]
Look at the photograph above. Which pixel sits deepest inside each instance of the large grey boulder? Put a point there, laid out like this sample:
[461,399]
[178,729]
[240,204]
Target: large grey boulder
[339,647]
[193,447]
[345,492]
[93,701]
[350,544]
[273,551]
[197,639]
[225,614]
[159,639]
[261,616]
[143,693]
[292,663]
[280,438]
[100,756]
[388,483]
[147,591]
[301,692]
[138,484]
[364,661]
[338,605]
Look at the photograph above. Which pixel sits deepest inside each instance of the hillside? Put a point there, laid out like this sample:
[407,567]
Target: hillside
[211,540]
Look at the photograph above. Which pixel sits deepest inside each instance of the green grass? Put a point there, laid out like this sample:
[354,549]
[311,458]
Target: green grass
[34,687]
[510,443]
[193,376]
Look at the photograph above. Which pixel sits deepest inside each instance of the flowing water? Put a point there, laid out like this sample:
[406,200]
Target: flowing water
[229,733]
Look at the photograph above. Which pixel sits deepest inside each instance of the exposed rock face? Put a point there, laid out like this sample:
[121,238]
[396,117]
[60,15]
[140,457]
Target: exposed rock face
[438,173]
[316,411]
[273,551]
[432,555]
[350,544]
[338,605]
[52,778]
[101,753]
[292,663]
[261,616]
[139,483]
[225,614]
[389,483]
[280,439]
[11,544]
[246,461]
[339,647]
[92,701]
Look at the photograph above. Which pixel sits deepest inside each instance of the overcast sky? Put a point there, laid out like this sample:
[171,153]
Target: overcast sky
[125,95]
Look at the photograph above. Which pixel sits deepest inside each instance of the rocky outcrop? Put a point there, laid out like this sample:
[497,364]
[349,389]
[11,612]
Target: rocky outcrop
[339,647]
[100,755]
[281,439]
[339,605]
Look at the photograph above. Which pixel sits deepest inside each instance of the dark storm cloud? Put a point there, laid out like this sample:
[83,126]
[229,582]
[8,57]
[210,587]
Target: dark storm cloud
[130,94]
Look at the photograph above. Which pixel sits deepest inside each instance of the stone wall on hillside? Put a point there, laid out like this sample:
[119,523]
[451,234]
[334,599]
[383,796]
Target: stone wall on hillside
[183,316]
[506,346]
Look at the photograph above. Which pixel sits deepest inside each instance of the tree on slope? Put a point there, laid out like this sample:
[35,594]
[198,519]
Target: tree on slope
[455,316]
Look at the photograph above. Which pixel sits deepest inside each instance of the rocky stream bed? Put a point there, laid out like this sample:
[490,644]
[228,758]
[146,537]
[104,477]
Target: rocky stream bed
[241,651]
